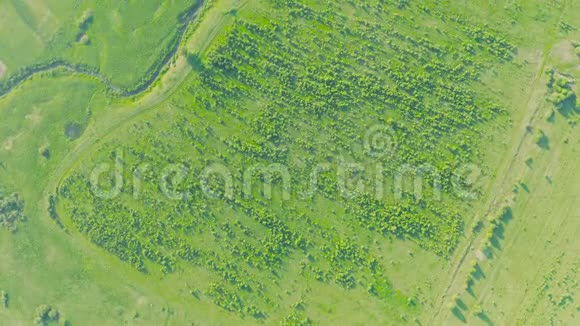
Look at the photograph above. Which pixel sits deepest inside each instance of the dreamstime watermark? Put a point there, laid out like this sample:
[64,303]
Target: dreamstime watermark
[379,141]
[339,179]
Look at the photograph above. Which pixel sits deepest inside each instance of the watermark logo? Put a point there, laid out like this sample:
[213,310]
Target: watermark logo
[339,178]
[379,141]
[346,180]
[103,170]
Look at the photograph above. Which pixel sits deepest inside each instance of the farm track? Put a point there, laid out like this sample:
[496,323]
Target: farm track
[94,135]
[152,74]
[499,187]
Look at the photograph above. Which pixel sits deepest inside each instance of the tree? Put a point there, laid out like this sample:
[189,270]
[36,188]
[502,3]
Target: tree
[477,310]
[4,299]
[44,314]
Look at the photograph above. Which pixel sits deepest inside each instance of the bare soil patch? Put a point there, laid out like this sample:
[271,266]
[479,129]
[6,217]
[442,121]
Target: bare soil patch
[34,117]
[564,52]
[8,144]
[2,69]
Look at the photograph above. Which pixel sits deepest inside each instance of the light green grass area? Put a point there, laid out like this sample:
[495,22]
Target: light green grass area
[394,86]
[124,40]
[524,268]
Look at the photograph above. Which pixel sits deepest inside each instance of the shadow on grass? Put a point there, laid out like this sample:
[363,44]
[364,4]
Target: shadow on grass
[568,107]
[543,141]
[525,187]
[478,272]
[485,318]
[498,232]
[461,304]
[458,314]
[469,287]
[507,215]
[195,62]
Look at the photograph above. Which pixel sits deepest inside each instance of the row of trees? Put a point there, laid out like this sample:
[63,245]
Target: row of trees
[297,89]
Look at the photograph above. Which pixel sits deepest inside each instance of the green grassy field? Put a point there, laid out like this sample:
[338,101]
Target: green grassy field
[123,40]
[526,266]
[295,162]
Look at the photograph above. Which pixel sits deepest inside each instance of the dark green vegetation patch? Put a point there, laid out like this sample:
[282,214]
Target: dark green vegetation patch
[221,177]
[11,211]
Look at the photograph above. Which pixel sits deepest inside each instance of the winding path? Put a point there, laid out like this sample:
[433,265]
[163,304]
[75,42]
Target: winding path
[142,85]
[96,133]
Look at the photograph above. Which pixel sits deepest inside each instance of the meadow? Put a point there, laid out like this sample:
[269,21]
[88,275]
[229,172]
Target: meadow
[125,42]
[289,162]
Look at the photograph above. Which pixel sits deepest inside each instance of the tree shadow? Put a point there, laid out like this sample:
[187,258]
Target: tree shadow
[552,117]
[568,107]
[498,234]
[195,62]
[530,162]
[458,314]
[461,304]
[504,219]
[478,227]
[485,318]
[478,272]
[543,141]
[73,130]
[469,287]
[507,215]
[232,12]
[488,252]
